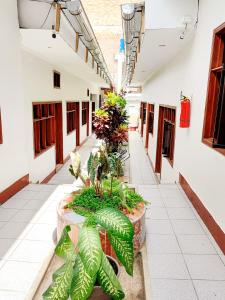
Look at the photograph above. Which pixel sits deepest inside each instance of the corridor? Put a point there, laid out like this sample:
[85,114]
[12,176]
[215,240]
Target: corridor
[184,261]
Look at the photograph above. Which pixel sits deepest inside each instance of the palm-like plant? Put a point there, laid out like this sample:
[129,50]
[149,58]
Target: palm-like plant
[86,262]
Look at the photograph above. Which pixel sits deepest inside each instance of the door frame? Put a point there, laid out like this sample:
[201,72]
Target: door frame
[77,123]
[147,125]
[58,133]
[88,117]
[158,161]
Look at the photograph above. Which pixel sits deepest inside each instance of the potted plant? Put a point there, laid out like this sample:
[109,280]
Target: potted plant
[105,191]
[111,122]
[85,263]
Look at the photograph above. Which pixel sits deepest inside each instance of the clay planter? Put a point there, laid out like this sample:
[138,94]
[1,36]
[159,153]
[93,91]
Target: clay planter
[138,221]
[98,293]
[68,217]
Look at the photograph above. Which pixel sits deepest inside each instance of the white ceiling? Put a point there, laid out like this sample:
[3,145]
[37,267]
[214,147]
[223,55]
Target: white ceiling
[57,52]
[153,56]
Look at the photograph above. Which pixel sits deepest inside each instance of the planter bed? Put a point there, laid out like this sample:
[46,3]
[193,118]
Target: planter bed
[133,286]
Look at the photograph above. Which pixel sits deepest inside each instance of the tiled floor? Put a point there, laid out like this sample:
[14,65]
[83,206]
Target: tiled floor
[27,228]
[184,261]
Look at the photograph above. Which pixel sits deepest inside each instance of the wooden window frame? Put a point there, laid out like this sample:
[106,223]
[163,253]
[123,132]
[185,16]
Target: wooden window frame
[216,67]
[71,110]
[169,118]
[56,85]
[165,115]
[1,134]
[84,113]
[44,125]
[151,114]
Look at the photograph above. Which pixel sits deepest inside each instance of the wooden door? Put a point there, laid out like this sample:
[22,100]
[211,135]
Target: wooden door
[58,133]
[158,163]
[147,126]
[77,125]
[87,117]
[92,114]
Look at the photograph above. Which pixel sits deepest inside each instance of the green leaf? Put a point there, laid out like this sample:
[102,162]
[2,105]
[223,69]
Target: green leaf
[59,289]
[124,250]
[90,249]
[115,222]
[82,283]
[65,247]
[109,281]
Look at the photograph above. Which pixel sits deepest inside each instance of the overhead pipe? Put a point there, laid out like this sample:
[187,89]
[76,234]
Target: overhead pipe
[132,20]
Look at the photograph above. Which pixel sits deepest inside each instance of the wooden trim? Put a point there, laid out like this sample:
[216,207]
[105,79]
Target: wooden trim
[14,188]
[77,42]
[57,17]
[216,58]
[158,162]
[205,215]
[1,135]
[77,120]
[86,55]
[49,177]
[59,133]
[147,125]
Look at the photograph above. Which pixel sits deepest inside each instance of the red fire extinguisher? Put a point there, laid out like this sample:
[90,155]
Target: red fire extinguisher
[185,112]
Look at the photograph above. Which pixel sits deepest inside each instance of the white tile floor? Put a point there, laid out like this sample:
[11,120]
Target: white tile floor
[184,261]
[27,225]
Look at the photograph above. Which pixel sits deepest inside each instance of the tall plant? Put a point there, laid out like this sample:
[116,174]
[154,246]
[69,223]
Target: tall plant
[86,262]
[110,122]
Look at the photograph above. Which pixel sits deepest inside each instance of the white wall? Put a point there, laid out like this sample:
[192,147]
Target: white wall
[203,167]
[38,86]
[168,13]
[13,163]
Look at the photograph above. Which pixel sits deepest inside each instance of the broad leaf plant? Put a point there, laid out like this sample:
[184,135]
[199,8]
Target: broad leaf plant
[86,263]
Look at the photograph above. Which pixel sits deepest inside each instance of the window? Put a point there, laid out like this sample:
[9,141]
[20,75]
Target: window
[144,112]
[88,92]
[214,122]
[71,116]
[84,112]
[56,80]
[44,126]
[151,118]
[1,137]
[169,118]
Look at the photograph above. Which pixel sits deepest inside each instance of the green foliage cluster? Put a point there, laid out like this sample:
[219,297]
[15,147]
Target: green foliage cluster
[115,100]
[115,195]
[90,201]
[86,264]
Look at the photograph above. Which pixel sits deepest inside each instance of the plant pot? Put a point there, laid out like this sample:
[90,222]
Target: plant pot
[68,217]
[98,293]
[138,221]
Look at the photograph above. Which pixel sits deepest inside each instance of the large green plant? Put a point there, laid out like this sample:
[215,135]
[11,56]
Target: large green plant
[86,263]
[110,122]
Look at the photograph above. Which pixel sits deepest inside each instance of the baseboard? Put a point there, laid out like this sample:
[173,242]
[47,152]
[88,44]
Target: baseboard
[14,188]
[205,215]
[49,177]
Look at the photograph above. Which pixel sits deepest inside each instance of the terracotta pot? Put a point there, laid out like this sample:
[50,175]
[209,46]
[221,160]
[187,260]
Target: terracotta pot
[138,221]
[68,217]
[98,293]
